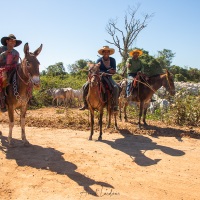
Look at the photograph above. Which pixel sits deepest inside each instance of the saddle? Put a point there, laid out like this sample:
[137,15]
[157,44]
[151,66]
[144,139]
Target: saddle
[6,76]
[3,78]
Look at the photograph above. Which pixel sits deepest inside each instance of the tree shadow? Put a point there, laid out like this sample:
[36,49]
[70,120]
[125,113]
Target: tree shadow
[48,159]
[136,146]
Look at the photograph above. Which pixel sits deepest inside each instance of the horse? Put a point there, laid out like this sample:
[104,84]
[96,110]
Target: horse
[95,98]
[146,89]
[123,103]
[19,91]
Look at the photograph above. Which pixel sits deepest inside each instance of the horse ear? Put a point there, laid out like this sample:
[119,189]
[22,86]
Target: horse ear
[26,48]
[37,51]
[98,64]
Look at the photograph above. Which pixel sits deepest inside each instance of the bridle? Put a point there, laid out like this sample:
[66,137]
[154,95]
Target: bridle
[27,83]
[168,81]
[99,83]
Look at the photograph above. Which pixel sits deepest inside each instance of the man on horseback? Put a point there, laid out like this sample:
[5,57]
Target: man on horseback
[107,66]
[134,65]
[9,58]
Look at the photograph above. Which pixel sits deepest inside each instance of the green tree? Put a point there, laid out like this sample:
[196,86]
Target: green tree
[180,77]
[175,69]
[165,58]
[78,65]
[55,70]
[194,74]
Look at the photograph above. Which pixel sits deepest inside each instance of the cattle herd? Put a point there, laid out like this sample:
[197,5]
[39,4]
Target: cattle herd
[66,96]
[71,97]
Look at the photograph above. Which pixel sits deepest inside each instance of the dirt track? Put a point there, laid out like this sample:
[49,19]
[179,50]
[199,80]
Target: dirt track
[63,164]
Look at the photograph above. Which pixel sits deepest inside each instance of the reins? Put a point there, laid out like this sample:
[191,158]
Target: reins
[146,84]
[99,88]
[28,83]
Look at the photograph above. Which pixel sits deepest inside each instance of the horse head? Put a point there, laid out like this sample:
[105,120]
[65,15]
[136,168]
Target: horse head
[30,65]
[169,83]
[94,74]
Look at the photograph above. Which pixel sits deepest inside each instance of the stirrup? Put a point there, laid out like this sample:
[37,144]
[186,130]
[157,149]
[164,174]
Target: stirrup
[84,107]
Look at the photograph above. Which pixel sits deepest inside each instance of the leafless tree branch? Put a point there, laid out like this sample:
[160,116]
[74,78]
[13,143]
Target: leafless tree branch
[124,38]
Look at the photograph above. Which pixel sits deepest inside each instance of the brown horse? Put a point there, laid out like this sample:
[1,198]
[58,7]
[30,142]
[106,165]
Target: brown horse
[19,91]
[146,89]
[96,100]
[123,103]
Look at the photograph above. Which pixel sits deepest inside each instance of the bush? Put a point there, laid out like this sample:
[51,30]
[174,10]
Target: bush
[186,111]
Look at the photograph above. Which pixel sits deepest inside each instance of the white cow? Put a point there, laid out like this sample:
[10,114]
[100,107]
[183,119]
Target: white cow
[69,95]
[78,95]
[57,94]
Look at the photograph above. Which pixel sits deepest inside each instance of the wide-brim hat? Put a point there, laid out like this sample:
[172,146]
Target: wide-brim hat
[106,48]
[11,36]
[134,51]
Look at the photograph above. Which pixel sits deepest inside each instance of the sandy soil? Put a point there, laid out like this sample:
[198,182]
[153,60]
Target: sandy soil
[160,162]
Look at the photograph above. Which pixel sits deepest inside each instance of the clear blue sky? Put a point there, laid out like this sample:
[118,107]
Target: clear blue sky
[75,29]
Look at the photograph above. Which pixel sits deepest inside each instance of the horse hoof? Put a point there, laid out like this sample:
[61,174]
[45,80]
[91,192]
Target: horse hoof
[11,144]
[26,144]
[99,138]
[90,138]
[139,126]
[145,124]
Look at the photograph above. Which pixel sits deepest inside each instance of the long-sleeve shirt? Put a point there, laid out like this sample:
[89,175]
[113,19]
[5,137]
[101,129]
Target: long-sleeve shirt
[136,65]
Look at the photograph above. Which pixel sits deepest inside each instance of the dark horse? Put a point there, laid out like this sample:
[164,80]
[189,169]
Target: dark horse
[146,89]
[96,100]
[19,91]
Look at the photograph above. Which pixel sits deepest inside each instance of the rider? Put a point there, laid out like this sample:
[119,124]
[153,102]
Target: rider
[134,65]
[107,65]
[9,58]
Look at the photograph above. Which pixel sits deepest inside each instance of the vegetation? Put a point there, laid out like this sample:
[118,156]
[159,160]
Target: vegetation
[55,76]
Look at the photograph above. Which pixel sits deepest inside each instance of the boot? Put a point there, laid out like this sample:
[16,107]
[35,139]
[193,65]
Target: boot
[85,92]
[85,106]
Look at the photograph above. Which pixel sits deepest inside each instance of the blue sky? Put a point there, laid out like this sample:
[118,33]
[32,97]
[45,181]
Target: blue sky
[72,30]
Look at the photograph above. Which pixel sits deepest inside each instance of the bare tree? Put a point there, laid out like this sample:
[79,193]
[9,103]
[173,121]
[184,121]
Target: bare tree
[131,30]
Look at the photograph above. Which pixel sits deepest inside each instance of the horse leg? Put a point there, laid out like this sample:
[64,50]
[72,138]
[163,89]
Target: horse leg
[11,125]
[100,125]
[120,111]
[22,123]
[140,114]
[125,108]
[109,116]
[144,117]
[92,124]
[53,101]
[115,117]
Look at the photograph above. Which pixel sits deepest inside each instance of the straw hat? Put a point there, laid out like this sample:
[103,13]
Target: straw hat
[135,50]
[11,36]
[106,48]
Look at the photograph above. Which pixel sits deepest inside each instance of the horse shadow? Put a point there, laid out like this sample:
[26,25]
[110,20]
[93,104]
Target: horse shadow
[136,146]
[48,159]
[172,132]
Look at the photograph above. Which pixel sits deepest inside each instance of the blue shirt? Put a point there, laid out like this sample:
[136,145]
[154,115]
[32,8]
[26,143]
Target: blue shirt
[103,68]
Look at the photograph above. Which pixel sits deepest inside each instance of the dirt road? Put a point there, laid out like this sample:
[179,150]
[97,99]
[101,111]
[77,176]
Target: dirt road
[63,164]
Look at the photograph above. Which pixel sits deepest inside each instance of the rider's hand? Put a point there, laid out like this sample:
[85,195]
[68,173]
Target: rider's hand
[111,71]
